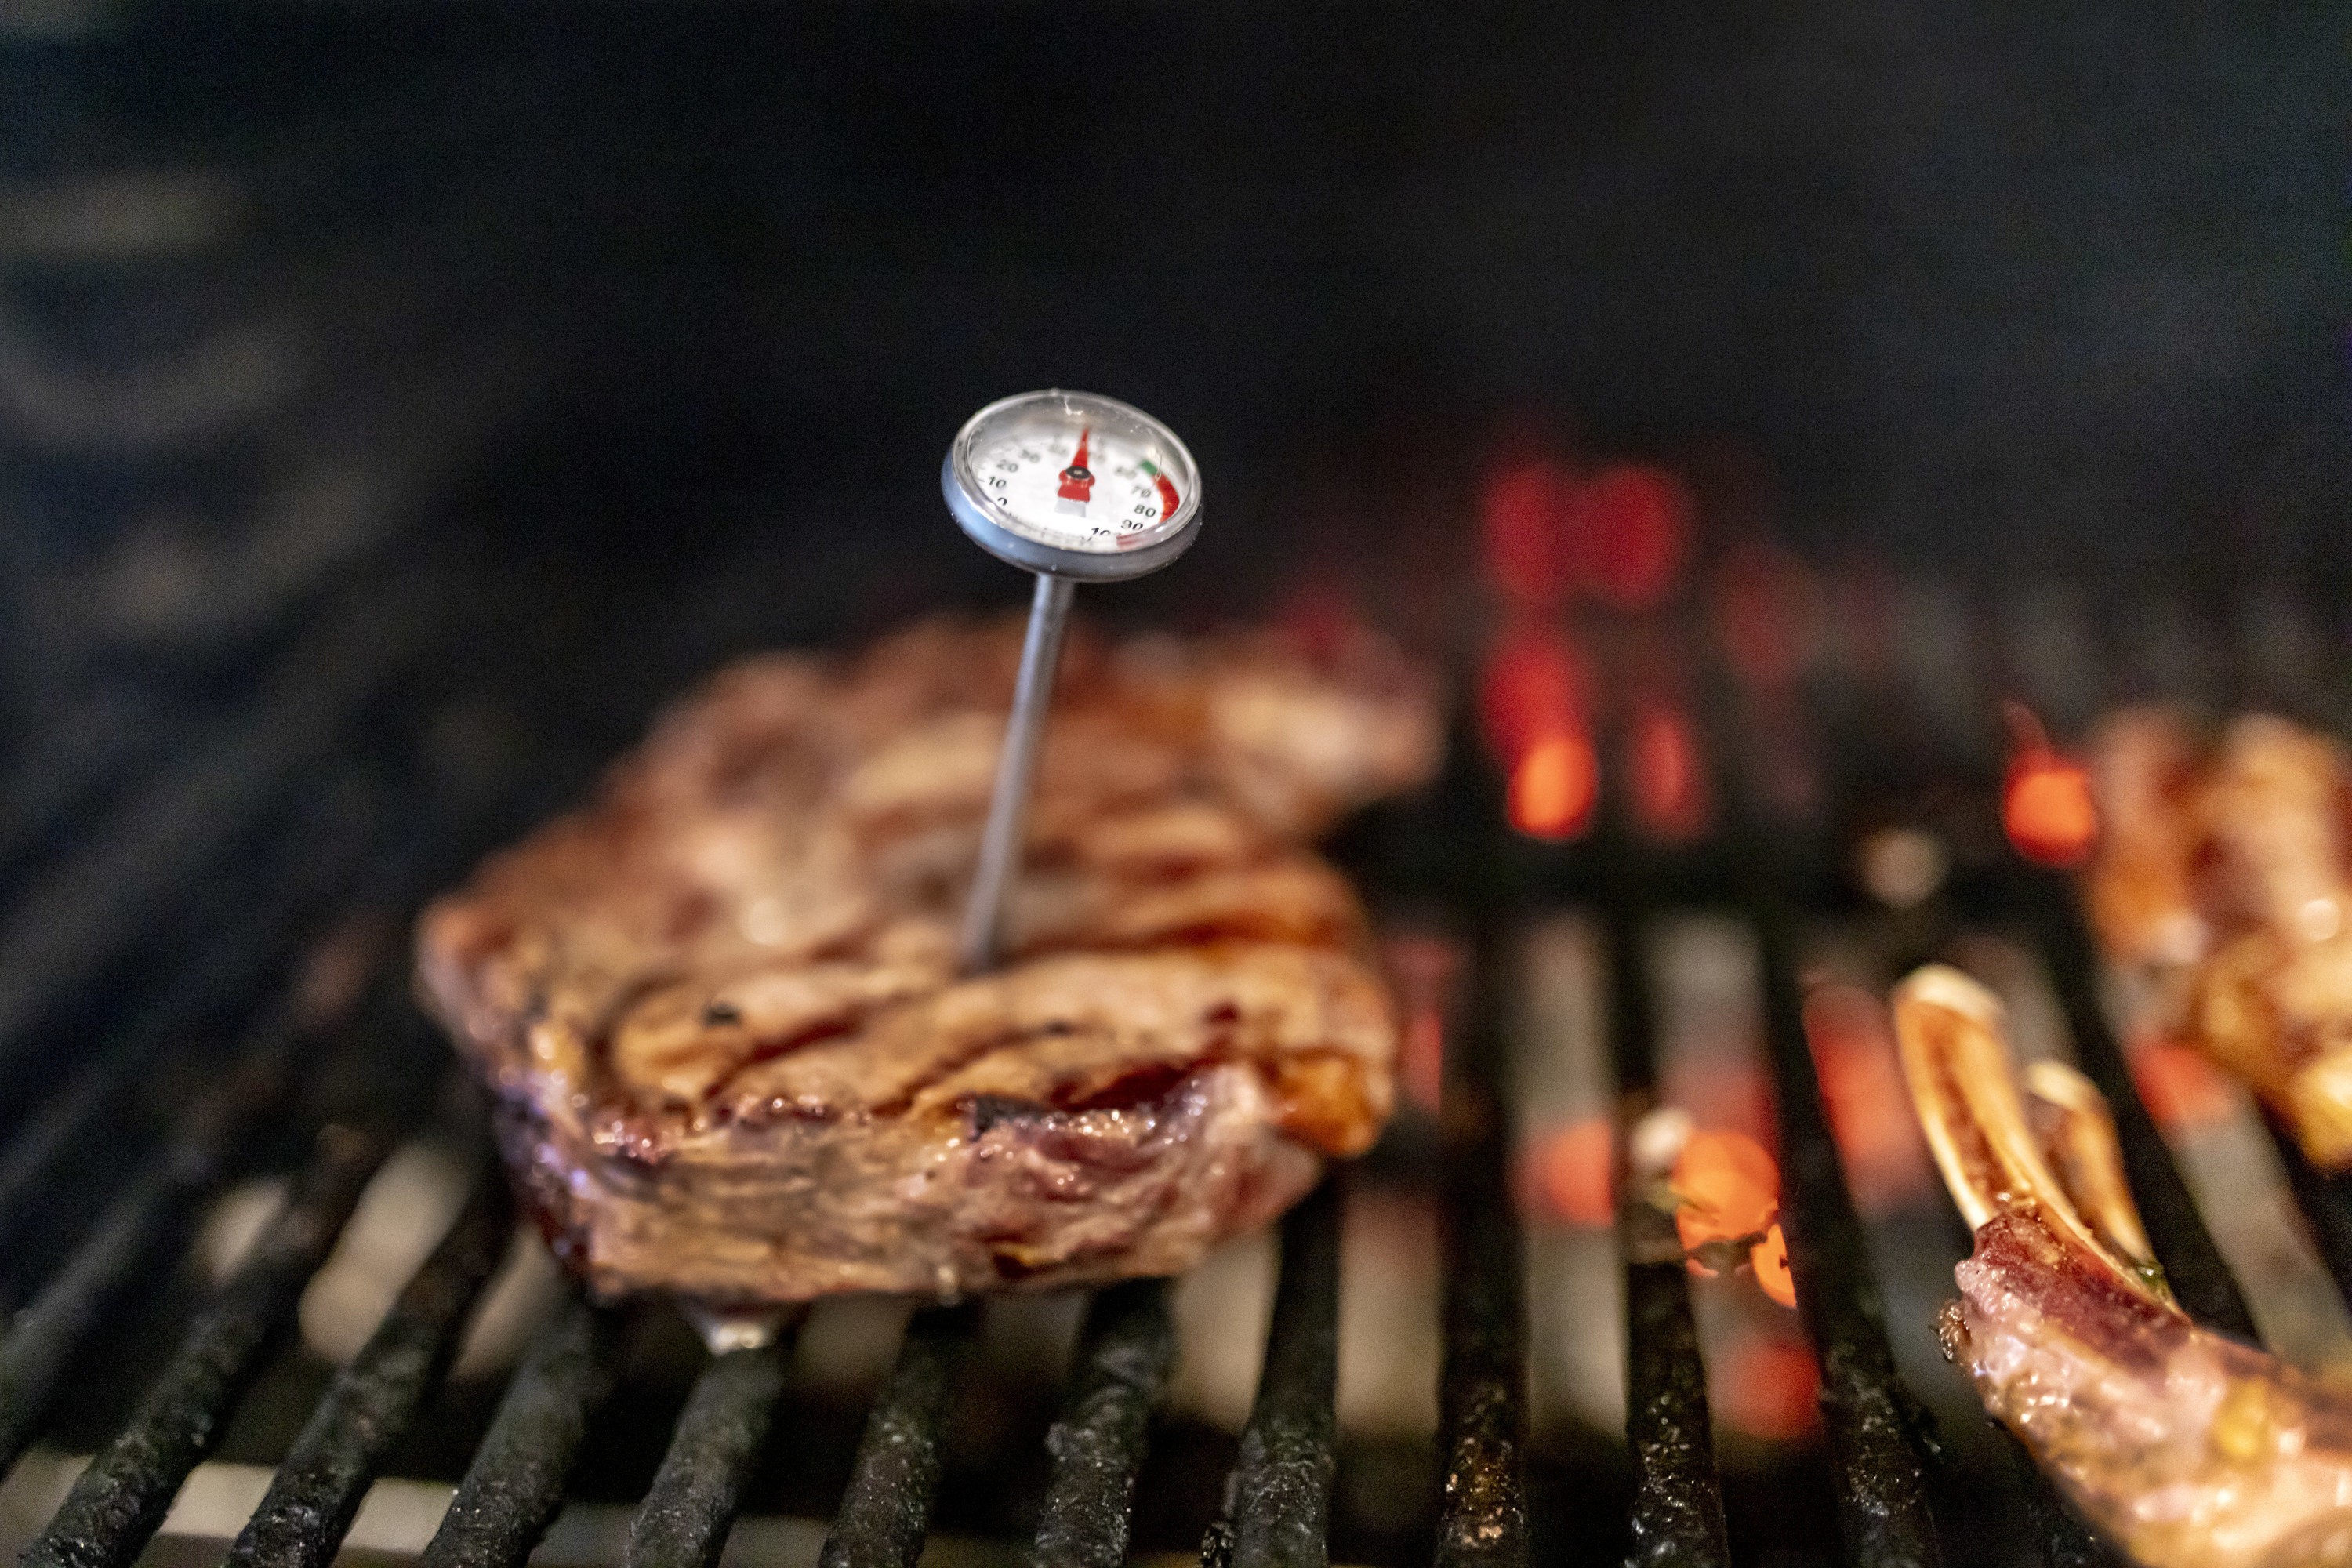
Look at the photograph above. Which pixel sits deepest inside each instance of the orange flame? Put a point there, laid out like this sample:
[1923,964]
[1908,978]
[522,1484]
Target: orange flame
[1770,1258]
[2046,805]
[1554,785]
[1728,1186]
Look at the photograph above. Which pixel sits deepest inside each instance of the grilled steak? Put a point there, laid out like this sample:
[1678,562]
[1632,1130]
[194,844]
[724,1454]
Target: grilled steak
[720,1007]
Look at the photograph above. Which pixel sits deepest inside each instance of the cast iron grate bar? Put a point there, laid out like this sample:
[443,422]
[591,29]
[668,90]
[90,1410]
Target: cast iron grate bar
[1677,1513]
[325,1476]
[224,984]
[1879,1437]
[1125,1354]
[119,1502]
[135,1228]
[1482,1514]
[1278,1495]
[2192,1263]
[888,1506]
[514,1488]
[687,1511]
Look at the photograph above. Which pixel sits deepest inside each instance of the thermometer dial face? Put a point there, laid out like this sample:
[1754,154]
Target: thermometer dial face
[1074,484]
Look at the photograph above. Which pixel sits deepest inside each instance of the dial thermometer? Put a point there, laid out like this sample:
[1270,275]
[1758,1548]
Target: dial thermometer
[1077,489]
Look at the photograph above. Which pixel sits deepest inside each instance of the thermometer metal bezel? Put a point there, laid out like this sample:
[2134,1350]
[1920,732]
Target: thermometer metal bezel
[967,503]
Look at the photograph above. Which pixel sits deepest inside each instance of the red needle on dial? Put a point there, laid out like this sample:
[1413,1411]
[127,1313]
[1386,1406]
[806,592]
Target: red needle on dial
[1077,479]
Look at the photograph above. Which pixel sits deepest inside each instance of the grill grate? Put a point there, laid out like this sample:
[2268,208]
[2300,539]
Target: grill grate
[1278,1508]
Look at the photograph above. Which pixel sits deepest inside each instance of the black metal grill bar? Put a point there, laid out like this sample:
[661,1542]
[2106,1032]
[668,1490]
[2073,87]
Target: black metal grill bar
[1278,1497]
[514,1488]
[1877,1434]
[319,1488]
[119,1502]
[2192,1263]
[1483,1516]
[1677,1513]
[134,1228]
[687,1511]
[1125,1354]
[887,1505]
[225,983]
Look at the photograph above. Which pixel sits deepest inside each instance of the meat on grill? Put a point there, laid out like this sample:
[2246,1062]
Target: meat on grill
[720,1007]
[2226,876]
[2184,1447]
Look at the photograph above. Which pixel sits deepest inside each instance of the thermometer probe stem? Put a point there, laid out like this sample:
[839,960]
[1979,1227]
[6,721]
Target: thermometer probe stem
[1016,773]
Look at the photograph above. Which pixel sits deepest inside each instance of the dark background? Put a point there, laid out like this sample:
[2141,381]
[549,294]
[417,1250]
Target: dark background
[1995,291]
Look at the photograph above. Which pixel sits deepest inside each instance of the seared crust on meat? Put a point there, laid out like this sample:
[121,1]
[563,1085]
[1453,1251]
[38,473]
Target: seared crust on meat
[720,1010]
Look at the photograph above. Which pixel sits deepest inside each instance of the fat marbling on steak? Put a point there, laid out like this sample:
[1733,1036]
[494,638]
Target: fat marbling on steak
[720,1008]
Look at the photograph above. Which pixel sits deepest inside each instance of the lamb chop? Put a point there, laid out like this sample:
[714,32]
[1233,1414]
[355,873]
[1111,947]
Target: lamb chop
[720,1008]
[2226,878]
[2183,1448]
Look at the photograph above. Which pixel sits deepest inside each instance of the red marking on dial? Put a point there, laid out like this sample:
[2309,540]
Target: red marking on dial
[1167,496]
[1077,479]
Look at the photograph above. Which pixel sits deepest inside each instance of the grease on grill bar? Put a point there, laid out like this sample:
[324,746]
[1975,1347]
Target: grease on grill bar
[1677,1515]
[514,1488]
[683,1522]
[1483,1518]
[320,1486]
[120,1501]
[887,1508]
[1124,1356]
[1279,1497]
[1876,1431]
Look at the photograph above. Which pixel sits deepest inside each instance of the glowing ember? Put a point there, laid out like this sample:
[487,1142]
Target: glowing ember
[1768,1388]
[1423,970]
[1669,787]
[1532,688]
[2181,1089]
[1770,1258]
[1629,527]
[2048,812]
[1569,1174]
[2045,806]
[1728,1186]
[1553,787]
[1878,1136]
[1519,514]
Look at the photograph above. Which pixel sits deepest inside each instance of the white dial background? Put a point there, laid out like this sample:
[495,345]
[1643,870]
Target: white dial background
[1019,476]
